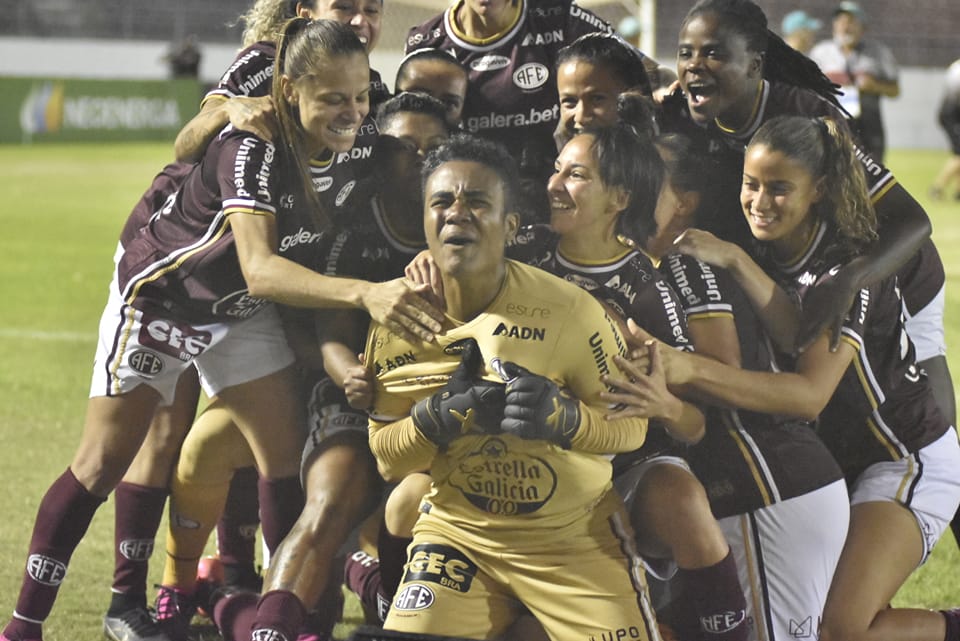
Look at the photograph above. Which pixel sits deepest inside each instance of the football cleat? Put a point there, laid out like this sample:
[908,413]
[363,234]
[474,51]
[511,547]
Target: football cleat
[174,611]
[134,624]
[209,578]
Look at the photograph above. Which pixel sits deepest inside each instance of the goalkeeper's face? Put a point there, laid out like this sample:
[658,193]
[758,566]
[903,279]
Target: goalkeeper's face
[465,221]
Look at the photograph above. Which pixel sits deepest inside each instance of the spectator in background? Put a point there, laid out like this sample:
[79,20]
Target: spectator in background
[184,58]
[629,29]
[799,30]
[865,70]
[949,117]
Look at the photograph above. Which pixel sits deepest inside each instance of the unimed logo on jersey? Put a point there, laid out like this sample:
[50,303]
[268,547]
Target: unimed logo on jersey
[136,549]
[440,564]
[46,570]
[414,597]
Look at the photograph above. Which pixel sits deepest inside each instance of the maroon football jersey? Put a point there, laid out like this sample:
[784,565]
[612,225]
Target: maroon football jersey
[512,90]
[630,286]
[746,460]
[883,408]
[923,275]
[251,74]
[183,261]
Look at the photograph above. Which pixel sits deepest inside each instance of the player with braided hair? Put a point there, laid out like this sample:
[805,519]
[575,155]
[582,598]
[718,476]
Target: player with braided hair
[734,75]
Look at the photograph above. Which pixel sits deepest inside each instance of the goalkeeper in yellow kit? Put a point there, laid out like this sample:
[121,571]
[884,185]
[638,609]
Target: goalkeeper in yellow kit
[503,409]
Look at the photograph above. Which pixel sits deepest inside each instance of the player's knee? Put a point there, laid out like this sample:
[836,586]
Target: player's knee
[674,490]
[403,504]
[337,506]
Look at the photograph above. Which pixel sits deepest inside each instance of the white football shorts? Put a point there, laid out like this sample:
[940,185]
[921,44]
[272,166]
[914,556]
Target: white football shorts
[927,483]
[144,349]
[925,328]
[786,554]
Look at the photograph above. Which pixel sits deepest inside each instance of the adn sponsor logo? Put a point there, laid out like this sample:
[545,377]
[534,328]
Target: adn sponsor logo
[521,332]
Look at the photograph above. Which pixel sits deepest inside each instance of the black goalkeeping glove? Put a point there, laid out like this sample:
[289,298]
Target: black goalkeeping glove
[465,403]
[536,408]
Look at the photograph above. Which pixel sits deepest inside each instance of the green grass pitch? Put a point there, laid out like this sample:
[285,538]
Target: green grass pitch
[63,207]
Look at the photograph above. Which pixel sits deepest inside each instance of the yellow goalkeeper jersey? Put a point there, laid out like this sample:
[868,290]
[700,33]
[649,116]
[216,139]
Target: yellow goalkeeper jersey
[484,482]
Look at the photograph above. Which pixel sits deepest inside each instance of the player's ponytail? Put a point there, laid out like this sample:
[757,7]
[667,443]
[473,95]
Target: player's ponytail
[846,185]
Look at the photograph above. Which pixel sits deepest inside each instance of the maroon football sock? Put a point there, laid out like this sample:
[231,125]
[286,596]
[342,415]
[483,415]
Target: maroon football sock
[278,612]
[237,527]
[392,551]
[717,599]
[953,624]
[138,512]
[234,614]
[62,519]
[281,501]
[362,575]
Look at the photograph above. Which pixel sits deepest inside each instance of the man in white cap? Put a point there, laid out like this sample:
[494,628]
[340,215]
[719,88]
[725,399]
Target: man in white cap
[865,70]
[799,30]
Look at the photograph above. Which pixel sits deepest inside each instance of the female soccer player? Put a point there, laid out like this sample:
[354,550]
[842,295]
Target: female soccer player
[521,514]
[592,72]
[736,74]
[805,199]
[195,286]
[605,180]
[241,98]
[510,51]
[438,74]
[774,487]
[339,474]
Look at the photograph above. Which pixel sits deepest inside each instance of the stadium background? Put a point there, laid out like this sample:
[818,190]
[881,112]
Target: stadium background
[63,205]
[127,39]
